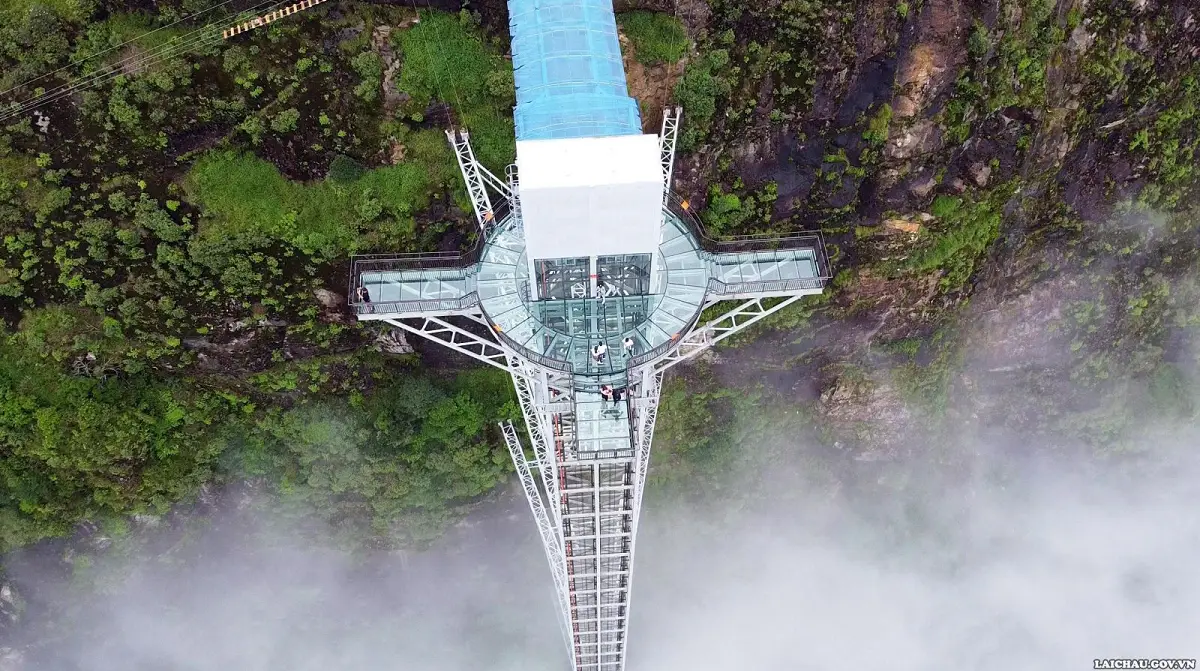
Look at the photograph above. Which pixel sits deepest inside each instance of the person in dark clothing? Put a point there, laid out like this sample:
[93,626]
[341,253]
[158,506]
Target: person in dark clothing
[364,297]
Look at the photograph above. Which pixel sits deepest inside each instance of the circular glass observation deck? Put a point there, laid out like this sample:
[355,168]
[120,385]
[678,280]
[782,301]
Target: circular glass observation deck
[560,333]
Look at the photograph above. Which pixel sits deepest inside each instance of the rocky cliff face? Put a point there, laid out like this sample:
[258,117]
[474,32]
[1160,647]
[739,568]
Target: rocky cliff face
[1006,188]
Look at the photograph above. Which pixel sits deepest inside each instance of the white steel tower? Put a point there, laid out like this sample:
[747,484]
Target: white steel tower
[587,282]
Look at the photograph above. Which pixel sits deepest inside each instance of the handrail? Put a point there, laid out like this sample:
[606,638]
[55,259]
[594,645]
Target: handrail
[398,262]
[748,243]
[763,286]
[424,305]
[714,286]
[540,359]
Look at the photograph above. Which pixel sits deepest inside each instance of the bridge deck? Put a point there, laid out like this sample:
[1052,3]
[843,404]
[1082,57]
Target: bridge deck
[561,333]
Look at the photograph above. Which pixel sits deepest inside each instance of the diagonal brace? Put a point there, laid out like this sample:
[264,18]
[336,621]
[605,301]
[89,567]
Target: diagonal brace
[721,328]
[460,340]
[546,528]
[472,173]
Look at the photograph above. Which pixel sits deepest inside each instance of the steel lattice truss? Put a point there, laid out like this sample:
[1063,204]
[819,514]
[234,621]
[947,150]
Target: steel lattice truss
[586,510]
[587,505]
[474,176]
[666,146]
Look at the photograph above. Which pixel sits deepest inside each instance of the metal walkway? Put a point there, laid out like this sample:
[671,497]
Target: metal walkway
[592,452]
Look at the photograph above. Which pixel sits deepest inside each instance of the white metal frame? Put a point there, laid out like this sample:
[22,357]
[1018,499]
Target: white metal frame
[666,143]
[460,340]
[474,176]
[713,332]
[587,511]
[542,394]
[547,528]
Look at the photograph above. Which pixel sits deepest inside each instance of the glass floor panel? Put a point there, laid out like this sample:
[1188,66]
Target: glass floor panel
[505,255]
[497,288]
[693,277]
[567,329]
[686,293]
[652,335]
[667,322]
[521,332]
[764,266]
[676,246]
[388,288]
[600,425]
[681,310]
[497,271]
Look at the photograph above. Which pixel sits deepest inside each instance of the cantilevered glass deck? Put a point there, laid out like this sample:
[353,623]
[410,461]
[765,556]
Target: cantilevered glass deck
[561,333]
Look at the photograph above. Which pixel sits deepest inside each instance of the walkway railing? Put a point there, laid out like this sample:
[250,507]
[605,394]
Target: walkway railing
[764,286]
[525,352]
[429,306]
[714,286]
[391,263]
[749,243]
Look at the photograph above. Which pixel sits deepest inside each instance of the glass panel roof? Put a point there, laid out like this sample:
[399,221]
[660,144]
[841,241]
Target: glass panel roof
[568,70]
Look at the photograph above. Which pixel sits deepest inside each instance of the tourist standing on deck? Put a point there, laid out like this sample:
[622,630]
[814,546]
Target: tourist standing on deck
[364,297]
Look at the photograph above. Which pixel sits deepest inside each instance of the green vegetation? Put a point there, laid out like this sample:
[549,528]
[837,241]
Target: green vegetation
[957,242]
[248,198]
[389,467]
[699,434]
[1009,73]
[71,10]
[106,38]
[698,92]
[171,245]
[80,447]
[444,59]
[386,467]
[161,247]
[657,38]
[879,125]
[727,212]
[1169,144]
[927,386]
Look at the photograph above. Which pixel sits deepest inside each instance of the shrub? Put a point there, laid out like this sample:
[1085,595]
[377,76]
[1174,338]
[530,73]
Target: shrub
[656,38]
[446,60]
[370,68]
[285,121]
[698,91]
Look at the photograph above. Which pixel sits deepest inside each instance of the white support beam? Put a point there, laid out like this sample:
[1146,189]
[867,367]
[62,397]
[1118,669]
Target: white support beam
[462,341]
[650,389]
[722,327]
[494,182]
[546,528]
[648,395]
[473,175]
[530,397]
[666,144]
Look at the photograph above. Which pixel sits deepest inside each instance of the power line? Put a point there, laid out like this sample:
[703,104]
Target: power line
[196,39]
[433,66]
[126,42]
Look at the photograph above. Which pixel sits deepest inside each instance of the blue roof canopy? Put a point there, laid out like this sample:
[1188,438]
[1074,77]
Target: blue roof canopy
[568,70]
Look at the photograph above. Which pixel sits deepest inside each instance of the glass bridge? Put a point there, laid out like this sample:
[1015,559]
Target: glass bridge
[561,333]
